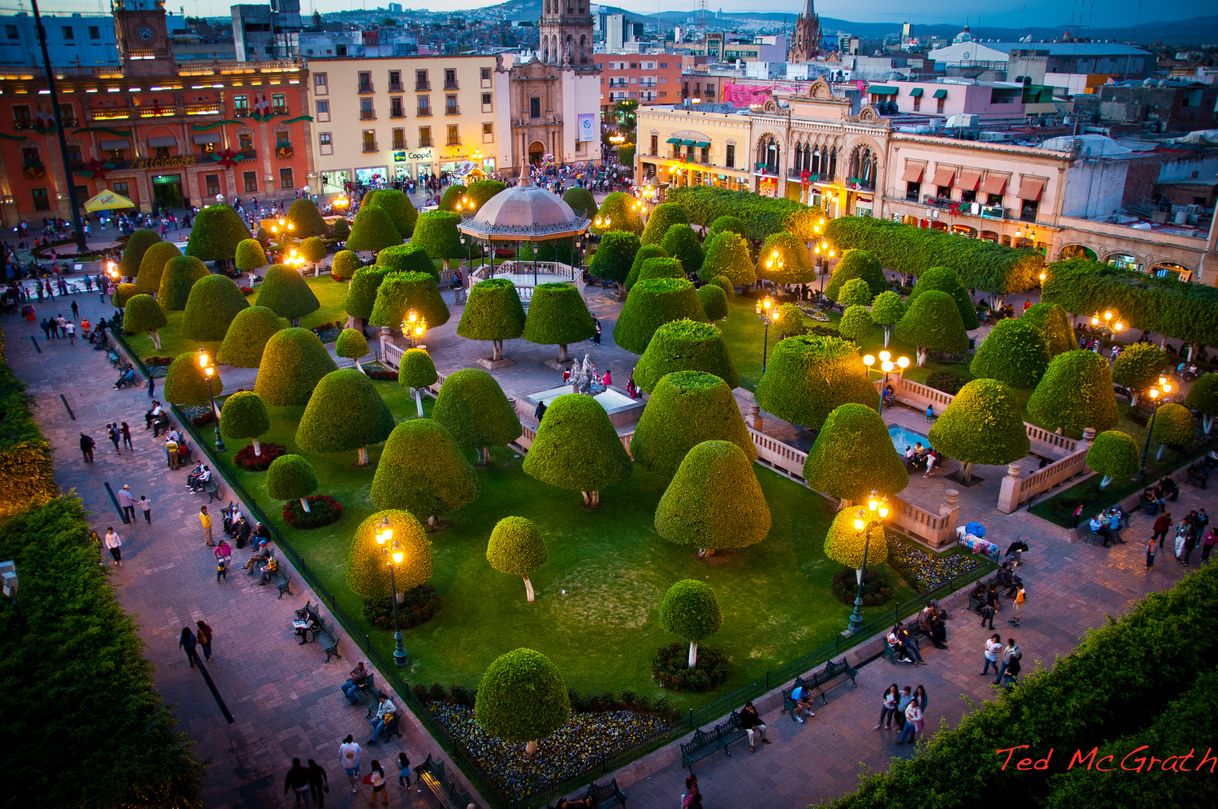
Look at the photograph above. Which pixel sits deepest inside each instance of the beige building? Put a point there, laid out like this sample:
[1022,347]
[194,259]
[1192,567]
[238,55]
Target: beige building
[396,118]
[701,144]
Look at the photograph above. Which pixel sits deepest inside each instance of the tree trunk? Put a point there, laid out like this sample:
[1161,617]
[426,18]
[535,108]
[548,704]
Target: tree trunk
[359,367]
[530,749]
[592,499]
[922,352]
[362,459]
[1105,481]
[1133,398]
[496,350]
[966,471]
[1207,423]
[156,339]
[484,456]
[433,521]
[418,401]
[562,352]
[257,448]
[446,267]
[528,590]
[304,504]
[693,653]
[295,322]
[887,334]
[1159,452]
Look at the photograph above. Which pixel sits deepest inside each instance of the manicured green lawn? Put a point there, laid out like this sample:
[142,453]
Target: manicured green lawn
[602,631]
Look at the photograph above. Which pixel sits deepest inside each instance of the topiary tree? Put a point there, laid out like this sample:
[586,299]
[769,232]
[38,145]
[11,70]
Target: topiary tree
[417,372]
[133,253]
[945,279]
[423,471]
[1054,325]
[659,268]
[362,294]
[291,477]
[576,448]
[250,255]
[714,302]
[398,207]
[856,264]
[122,294]
[286,293]
[475,411]
[846,543]
[558,316]
[714,501]
[728,223]
[618,212]
[685,409]
[644,254]
[887,310]
[211,306]
[407,258]
[982,425]
[436,232]
[308,220]
[855,292]
[808,377]
[582,202]
[401,293]
[651,304]
[351,345]
[522,698]
[217,231]
[784,259]
[853,456]
[244,415]
[314,251]
[1013,352]
[685,345]
[186,384]
[1173,425]
[144,315]
[1203,397]
[152,266]
[856,322]
[452,195]
[493,312]
[367,571]
[344,265]
[340,229]
[516,548]
[1075,392]
[691,611]
[1137,367]
[373,231]
[480,192]
[663,217]
[614,255]
[1114,455]
[786,320]
[293,362]
[247,336]
[682,243]
[179,277]
[932,323]
[344,413]
[727,255]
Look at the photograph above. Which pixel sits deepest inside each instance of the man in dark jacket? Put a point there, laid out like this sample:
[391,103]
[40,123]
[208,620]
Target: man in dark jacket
[750,720]
[297,780]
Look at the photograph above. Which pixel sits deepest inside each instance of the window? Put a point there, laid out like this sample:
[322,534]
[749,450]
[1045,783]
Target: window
[369,140]
[395,81]
[30,157]
[655,145]
[912,191]
[323,110]
[74,158]
[366,112]
[68,33]
[486,102]
[534,107]
[241,106]
[41,201]
[279,104]
[364,81]
[421,82]
[994,199]
[729,159]
[245,142]
[663,65]
[450,79]
[425,137]
[488,132]
[424,106]
[395,107]
[454,135]
[917,104]
[285,178]
[282,138]
[120,187]
[94,33]
[249,181]
[1028,209]
[399,139]
[968,195]
[319,84]
[939,103]
[212,182]
[485,75]
[450,105]
[325,142]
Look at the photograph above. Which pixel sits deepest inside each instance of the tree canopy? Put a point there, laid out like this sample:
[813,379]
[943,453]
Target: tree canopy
[522,697]
[152,266]
[982,425]
[133,253]
[367,571]
[1075,392]
[727,255]
[853,455]
[1138,366]
[398,207]
[286,293]
[516,548]
[844,543]
[854,292]
[417,369]
[614,255]
[211,306]
[808,376]
[186,384]
[373,231]
[293,362]
[690,610]
[685,409]
[1013,352]
[179,277]
[143,314]
[581,201]
[932,323]
[617,211]
[407,258]
[308,220]
[651,304]
[856,264]
[856,323]
[685,345]
[642,255]
[946,280]
[682,243]
[663,216]
[1054,325]
[714,301]
[423,471]
[247,336]
[344,265]
[558,316]
[436,232]
[401,292]
[784,259]
[362,293]
[217,231]
[1115,455]
[476,412]
[576,448]
[714,500]
[344,413]
[493,312]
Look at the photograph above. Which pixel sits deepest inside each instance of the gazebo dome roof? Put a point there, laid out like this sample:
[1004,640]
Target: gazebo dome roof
[524,213]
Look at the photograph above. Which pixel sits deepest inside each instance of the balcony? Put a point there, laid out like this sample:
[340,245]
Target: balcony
[112,114]
[395,87]
[369,146]
[23,124]
[364,89]
[397,112]
[453,110]
[248,154]
[367,115]
[425,143]
[398,145]
[422,87]
[859,184]
[424,112]
[242,112]
[451,85]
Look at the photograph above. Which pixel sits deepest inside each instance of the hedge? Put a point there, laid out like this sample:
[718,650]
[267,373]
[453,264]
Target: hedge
[344,413]
[618,208]
[1013,352]
[946,280]
[308,220]
[784,259]
[436,232]
[807,377]
[727,255]
[211,306]
[1075,393]
[373,231]
[576,448]
[685,345]
[398,207]
[516,548]
[25,456]
[367,573]
[714,500]
[853,455]
[294,361]
[407,258]
[685,409]
[133,253]
[614,255]
[217,231]
[856,264]
[179,276]
[476,412]
[247,336]
[152,266]
[760,216]
[907,249]
[344,265]
[285,292]
[422,471]
[492,312]
[362,293]
[650,305]
[558,316]
[682,243]
[522,697]
[981,425]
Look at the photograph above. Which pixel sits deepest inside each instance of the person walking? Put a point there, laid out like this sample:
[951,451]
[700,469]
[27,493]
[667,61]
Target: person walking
[205,521]
[1011,651]
[1020,597]
[923,702]
[403,770]
[297,780]
[86,447]
[204,636]
[75,311]
[113,434]
[319,783]
[1161,526]
[187,643]
[127,503]
[376,777]
[114,544]
[349,756]
[151,385]
[993,647]
[69,329]
[902,704]
[125,432]
[692,797]
[888,707]
[145,506]
[1152,547]
[913,723]
[1207,547]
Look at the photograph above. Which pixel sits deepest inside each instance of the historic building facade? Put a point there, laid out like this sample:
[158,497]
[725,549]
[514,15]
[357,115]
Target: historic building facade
[805,43]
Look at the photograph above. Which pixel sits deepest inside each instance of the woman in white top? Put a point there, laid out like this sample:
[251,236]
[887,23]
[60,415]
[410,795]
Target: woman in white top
[913,722]
[376,777]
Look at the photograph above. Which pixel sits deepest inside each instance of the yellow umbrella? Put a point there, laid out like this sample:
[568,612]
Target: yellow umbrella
[107,200]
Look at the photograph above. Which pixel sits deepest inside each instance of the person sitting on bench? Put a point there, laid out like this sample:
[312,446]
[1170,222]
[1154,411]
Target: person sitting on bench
[803,698]
[303,624]
[1099,527]
[898,647]
[751,721]
[358,679]
[270,570]
[255,559]
[1170,490]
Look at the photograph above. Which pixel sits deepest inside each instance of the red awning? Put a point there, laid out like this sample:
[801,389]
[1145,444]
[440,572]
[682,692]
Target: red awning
[944,176]
[968,180]
[913,172]
[1030,188]
[995,183]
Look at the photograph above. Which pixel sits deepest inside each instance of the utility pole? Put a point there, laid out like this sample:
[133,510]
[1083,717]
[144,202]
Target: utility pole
[77,226]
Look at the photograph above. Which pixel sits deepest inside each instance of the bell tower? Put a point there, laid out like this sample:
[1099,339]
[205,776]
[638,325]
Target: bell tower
[566,34]
[143,36]
[805,44]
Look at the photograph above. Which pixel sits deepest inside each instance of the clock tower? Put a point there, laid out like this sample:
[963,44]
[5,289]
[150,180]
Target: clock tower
[143,36]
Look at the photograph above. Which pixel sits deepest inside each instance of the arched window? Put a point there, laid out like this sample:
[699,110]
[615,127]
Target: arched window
[832,170]
[816,163]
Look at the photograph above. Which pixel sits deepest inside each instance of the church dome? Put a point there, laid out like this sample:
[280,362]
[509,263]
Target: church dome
[525,213]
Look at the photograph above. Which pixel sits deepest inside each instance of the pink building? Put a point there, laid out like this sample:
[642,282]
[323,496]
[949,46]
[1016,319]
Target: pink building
[989,100]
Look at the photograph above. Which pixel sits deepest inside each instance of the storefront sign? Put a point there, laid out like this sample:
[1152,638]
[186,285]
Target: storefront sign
[399,156]
[164,162]
[425,154]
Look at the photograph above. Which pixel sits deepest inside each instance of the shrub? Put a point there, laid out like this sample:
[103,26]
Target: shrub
[1054,326]
[787,321]
[217,231]
[290,477]
[1075,392]
[932,323]
[1173,426]
[1114,455]
[362,294]
[1013,352]
[659,268]
[671,670]
[807,377]
[344,413]
[614,255]
[714,301]
[845,543]
[417,370]
[618,210]
[856,322]
[784,260]
[294,361]
[124,293]
[367,573]
[452,195]
[946,280]
[576,448]
[645,252]
[853,456]
[982,425]
[344,265]
[143,314]
[179,277]
[475,411]
[856,264]
[581,201]
[663,217]
[247,337]
[152,266]
[250,255]
[245,458]
[887,310]
[714,501]
[422,471]
[407,258]
[682,243]
[304,215]
[244,415]
[685,345]
[650,305]
[492,312]
[403,292]
[285,292]
[516,548]
[1203,397]
[398,207]
[323,510]
[373,231]
[854,292]
[760,215]
[685,409]
[185,383]
[133,254]
[417,606]
[211,306]
[727,256]
[691,611]
[522,697]
[558,316]
[1138,366]
[877,587]
[436,232]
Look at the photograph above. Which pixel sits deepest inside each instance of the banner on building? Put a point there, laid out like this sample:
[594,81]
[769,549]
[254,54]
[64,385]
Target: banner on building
[587,126]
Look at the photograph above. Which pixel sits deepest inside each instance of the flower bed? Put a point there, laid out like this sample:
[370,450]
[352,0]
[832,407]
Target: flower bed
[158,367]
[378,370]
[325,510]
[199,415]
[328,332]
[877,587]
[671,668]
[419,605]
[925,571]
[247,460]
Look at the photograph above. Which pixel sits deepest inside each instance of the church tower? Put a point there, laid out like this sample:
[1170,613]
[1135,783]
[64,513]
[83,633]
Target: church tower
[143,37]
[805,44]
[566,34]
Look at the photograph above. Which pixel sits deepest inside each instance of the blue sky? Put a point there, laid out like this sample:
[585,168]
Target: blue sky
[1007,13]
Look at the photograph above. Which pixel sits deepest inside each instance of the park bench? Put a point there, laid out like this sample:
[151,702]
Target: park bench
[367,693]
[212,487]
[320,633]
[433,775]
[283,583]
[705,742]
[603,795]
[915,632]
[824,679]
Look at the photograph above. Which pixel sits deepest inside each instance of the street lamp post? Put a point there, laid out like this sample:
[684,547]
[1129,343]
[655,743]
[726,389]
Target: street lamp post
[864,521]
[383,537]
[768,312]
[209,371]
[1109,323]
[887,366]
[414,327]
[1160,389]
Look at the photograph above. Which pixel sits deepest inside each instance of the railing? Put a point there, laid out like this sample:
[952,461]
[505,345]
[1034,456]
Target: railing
[451,86]
[242,112]
[398,145]
[423,112]
[779,455]
[367,115]
[1046,442]
[934,528]
[424,87]
[369,146]
[452,110]
[920,395]
[397,112]
[1016,491]
[365,88]
[396,87]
